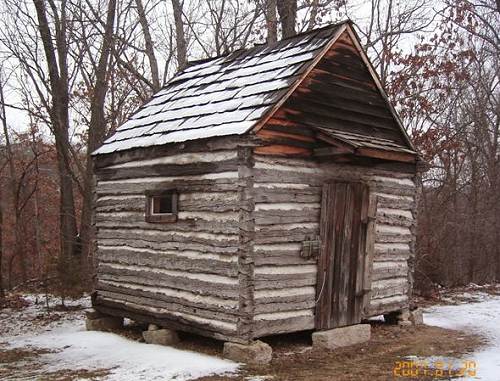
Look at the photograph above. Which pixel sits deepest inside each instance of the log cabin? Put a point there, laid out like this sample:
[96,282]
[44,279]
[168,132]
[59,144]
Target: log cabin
[267,191]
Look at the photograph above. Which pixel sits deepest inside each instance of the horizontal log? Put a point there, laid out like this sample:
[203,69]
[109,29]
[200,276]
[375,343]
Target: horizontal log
[108,239]
[170,237]
[171,295]
[113,173]
[181,225]
[280,254]
[388,288]
[180,158]
[284,306]
[285,237]
[270,175]
[395,201]
[271,218]
[391,249]
[186,184]
[393,238]
[341,170]
[387,305]
[274,327]
[168,260]
[285,229]
[389,273]
[402,257]
[393,189]
[199,147]
[282,260]
[385,293]
[279,273]
[203,284]
[169,306]
[289,295]
[308,195]
[394,217]
[270,284]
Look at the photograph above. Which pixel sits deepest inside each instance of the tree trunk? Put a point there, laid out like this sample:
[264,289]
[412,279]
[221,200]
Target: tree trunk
[287,10]
[59,117]
[96,134]
[271,21]
[180,38]
[314,13]
[18,251]
[149,48]
[2,292]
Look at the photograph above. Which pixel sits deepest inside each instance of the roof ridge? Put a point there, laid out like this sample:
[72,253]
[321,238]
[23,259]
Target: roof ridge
[200,61]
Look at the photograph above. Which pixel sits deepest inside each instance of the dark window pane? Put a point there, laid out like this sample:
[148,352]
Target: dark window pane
[162,204]
[166,204]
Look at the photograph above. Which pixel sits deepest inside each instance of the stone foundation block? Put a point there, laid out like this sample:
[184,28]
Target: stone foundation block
[160,337]
[417,317]
[341,337]
[104,323]
[93,314]
[255,353]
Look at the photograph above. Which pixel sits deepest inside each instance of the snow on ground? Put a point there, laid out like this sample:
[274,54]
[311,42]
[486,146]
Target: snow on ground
[481,316]
[72,347]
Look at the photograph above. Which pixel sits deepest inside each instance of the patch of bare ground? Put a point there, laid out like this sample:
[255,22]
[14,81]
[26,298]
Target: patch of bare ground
[293,358]
[79,374]
[21,364]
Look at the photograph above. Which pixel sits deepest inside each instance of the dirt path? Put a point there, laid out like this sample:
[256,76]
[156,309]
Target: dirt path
[294,360]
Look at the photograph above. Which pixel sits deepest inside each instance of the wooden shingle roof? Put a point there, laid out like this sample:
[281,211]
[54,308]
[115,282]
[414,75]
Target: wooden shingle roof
[222,96]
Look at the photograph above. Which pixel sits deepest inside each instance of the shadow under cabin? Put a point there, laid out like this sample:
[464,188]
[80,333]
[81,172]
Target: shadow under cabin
[268,191]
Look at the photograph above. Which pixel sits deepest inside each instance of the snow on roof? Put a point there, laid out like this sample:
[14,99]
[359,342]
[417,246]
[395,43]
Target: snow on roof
[223,96]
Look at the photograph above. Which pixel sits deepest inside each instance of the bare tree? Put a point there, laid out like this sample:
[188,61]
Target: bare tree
[180,38]
[271,21]
[287,10]
[56,55]
[149,47]
[2,292]
[13,186]
[389,22]
[97,125]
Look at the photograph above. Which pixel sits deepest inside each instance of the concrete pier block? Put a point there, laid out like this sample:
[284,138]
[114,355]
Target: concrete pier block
[341,337]
[104,323]
[417,317]
[160,336]
[255,353]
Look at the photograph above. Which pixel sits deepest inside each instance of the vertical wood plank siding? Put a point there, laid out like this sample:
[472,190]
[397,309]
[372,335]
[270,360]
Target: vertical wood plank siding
[184,273]
[287,210]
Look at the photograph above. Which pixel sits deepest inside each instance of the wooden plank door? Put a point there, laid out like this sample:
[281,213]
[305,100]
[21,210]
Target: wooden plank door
[341,264]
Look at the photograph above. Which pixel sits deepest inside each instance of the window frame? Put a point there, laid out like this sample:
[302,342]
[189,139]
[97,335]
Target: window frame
[161,217]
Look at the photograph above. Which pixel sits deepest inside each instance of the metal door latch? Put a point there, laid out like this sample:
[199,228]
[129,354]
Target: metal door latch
[310,248]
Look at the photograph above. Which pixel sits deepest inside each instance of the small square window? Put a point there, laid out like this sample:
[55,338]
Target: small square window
[161,206]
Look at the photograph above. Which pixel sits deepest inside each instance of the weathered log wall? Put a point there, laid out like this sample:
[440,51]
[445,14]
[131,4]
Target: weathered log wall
[287,195]
[230,267]
[184,274]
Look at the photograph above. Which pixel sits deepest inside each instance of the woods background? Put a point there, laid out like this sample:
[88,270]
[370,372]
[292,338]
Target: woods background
[71,71]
